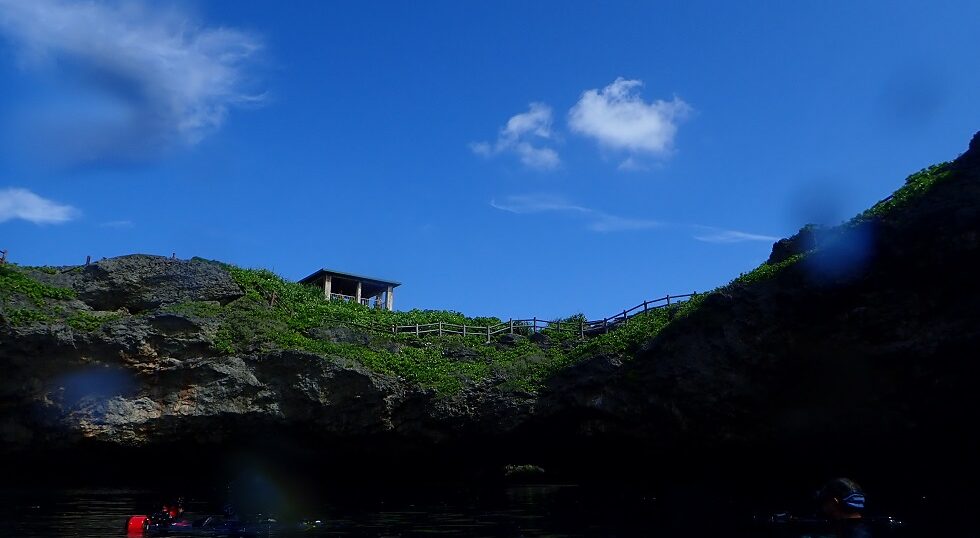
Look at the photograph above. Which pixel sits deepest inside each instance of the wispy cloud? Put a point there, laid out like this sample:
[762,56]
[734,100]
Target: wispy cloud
[25,205]
[619,119]
[523,136]
[597,221]
[715,235]
[130,77]
[600,221]
[537,203]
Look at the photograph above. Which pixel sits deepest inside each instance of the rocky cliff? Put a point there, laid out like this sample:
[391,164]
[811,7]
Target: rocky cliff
[856,343]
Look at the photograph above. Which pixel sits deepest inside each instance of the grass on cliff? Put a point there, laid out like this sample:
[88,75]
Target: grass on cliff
[308,309]
[916,185]
[33,307]
[445,364]
[15,281]
[39,301]
[88,322]
[255,323]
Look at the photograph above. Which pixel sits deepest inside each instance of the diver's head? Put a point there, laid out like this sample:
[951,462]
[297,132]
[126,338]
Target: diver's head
[841,498]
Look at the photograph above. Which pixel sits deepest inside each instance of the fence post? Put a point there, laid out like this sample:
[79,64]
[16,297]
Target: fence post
[511,325]
[488,334]
[625,317]
[605,326]
[534,326]
[416,329]
[645,305]
[464,328]
[394,329]
[668,299]
[440,328]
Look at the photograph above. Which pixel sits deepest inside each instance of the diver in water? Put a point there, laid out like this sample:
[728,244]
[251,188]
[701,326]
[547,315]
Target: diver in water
[841,502]
[841,499]
[171,509]
[840,513]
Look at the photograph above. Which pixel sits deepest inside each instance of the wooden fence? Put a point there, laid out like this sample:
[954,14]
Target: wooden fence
[581,328]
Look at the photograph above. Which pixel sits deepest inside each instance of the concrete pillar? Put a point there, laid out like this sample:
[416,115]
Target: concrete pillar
[390,299]
[326,287]
[357,296]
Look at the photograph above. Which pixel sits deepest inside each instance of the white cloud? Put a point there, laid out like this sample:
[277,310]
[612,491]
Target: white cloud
[619,119]
[523,135]
[537,203]
[714,235]
[144,77]
[597,221]
[25,205]
[631,164]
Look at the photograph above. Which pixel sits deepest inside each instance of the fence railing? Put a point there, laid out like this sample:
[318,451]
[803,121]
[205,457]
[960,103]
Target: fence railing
[366,301]
[582,328]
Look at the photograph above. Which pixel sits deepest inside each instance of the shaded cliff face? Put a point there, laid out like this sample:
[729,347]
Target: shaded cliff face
[853,338]
[862,352]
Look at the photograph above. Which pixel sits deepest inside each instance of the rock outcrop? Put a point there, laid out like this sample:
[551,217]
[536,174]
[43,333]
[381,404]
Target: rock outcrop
[858,356]
[142,282]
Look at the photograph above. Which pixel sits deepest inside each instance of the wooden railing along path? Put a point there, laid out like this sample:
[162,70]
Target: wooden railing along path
[581,328]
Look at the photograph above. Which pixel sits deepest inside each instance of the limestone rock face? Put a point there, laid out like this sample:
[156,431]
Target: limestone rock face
[140,282]
[134,386]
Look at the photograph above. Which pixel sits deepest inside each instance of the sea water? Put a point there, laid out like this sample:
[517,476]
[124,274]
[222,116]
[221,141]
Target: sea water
[512,511]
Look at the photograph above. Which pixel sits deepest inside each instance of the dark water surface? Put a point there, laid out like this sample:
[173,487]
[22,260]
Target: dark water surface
[520,511]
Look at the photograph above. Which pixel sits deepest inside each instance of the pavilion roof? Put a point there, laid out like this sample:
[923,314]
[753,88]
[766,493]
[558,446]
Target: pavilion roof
[368,279]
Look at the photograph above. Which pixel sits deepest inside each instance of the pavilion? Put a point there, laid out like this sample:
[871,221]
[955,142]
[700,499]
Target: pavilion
[337,285]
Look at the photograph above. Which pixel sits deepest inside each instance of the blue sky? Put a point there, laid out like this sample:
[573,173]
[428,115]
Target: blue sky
[504,158]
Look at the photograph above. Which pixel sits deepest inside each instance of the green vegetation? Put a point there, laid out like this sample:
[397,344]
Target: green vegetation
[25,316]
[17,283]
[88,322]
[307,308]
[915,186]
[197,309]
[766,271]
[691,305]
[443,363]
[628,337]
[257,322]
[14,280]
